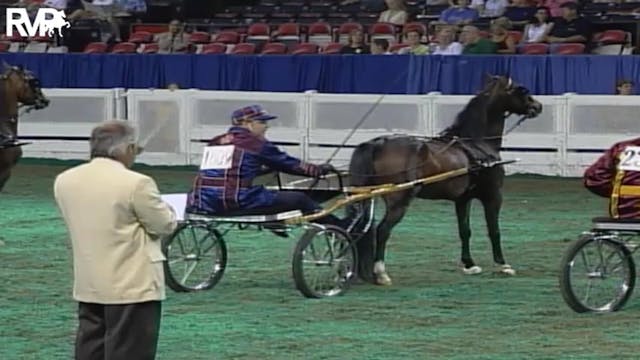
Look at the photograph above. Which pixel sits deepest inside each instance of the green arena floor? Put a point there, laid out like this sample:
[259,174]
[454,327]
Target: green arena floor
[432,311]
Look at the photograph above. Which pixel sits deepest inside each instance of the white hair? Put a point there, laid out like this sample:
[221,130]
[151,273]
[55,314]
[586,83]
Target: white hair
[110,139]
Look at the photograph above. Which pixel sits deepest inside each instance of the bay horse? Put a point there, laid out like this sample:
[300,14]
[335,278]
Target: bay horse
[18,87]
[473,141]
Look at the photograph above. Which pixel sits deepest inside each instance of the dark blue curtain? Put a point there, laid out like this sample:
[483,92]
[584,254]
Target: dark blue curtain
[392,74]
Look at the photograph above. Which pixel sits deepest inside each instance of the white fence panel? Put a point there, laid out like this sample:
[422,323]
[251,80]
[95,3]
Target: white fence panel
[71,113]
[572,131]
[163,125]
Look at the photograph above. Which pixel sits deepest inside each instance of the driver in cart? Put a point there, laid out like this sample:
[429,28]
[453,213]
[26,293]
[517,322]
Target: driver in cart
[616,175]
[224,183]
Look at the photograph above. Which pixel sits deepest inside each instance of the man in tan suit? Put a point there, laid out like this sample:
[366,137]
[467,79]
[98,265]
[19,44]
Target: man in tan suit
[116,221]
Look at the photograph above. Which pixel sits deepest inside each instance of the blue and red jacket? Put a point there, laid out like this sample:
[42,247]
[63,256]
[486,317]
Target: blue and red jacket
[222,190]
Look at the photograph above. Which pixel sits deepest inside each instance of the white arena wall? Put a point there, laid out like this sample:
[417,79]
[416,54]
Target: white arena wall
[571,132]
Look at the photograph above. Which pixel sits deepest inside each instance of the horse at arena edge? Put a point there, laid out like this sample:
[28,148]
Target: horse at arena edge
[473,142]
[18,87]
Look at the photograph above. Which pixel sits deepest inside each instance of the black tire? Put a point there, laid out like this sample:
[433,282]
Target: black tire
[578,254]
[346,254]
[209,239]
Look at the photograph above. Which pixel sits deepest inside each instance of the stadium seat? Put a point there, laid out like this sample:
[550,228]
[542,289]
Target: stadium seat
[415,26]
[568,49]
[244,49]
[395,47]
[305,48]
[150,48]
[124,48]
[95,48]
[200,37]
[57,50]
[258,31]
[214,48]
[345,29]
[319,33]
[612,37]
[227,37]
[515,35]
[141,37]
[274,48]
[289,32]
[382,31]
[332,48]
[36,47]
[4,46]
[534,49]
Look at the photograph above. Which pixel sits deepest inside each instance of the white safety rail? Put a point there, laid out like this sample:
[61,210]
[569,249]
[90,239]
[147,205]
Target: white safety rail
[571,132]
[72,113]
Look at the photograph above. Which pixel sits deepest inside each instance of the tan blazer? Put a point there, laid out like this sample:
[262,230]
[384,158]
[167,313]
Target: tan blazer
[116,220]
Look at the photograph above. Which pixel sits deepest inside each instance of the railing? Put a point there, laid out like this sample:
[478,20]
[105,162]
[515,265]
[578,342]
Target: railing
[571,132]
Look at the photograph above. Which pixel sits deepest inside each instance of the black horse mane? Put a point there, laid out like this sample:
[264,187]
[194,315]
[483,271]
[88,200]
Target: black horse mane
[471,122]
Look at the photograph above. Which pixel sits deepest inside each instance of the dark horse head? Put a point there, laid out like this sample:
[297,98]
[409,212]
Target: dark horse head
[484,115]
[17,86]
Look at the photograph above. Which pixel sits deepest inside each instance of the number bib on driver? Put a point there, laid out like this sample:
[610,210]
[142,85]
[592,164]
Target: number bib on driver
[218,157]
[630,159]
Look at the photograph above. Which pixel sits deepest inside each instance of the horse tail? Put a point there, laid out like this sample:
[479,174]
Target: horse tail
[362,173]
[361,168]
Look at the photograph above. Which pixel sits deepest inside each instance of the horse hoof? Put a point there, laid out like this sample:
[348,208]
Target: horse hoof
[475,269]
[383,279]
[507,270]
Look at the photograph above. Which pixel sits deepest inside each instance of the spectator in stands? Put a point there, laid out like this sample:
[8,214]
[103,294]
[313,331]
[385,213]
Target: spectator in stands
[554,6]
[459,14]
[395,14]
[173,41]
[570,28]
[490,8]
[624,87]
[446,44]
[520,13]
[538,28]
[474,43]
[412,38]
[104,10]
[356,43]
[380,47]
[505,44]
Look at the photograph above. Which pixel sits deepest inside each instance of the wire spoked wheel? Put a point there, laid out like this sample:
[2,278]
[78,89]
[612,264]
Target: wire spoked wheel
[324,262]
[597,274]
[196,258]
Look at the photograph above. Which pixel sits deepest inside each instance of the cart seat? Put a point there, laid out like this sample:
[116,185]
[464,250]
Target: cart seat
[245,218]
[606,223]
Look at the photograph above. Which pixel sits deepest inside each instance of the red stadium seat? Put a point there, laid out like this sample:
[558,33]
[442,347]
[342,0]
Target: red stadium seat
[612,37]
[289,31]
[274,48]
[395,47]
[568,49]
[95,48]
[415,26]
[227,37]
[124,48]
[515,35]
[214,48]
[151,48]
[141,37]
[534,49]
[200,37]
[244,49]
[4,46]
[382,31]
[345,29]
[319,33]
[258,31]
[332,48]
[305,48]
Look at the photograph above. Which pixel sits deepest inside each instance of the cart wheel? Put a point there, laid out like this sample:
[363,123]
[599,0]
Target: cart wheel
[324,262]
[196,258]
[597,274]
